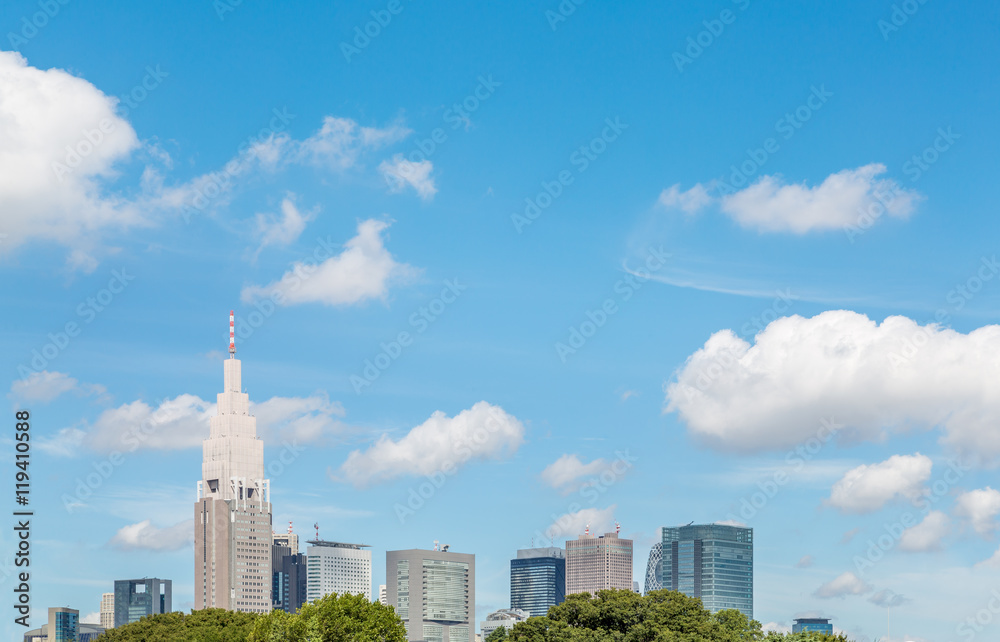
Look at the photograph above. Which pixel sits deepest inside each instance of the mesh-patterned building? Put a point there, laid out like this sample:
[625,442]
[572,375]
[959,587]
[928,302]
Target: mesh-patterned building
[713,562]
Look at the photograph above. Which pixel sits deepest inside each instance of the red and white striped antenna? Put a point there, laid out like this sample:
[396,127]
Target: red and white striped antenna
[232,336]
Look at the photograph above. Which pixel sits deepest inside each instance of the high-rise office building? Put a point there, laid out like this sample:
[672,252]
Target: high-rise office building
[654,568]
[135,599]
[337,567]
[289,539]
[289,579]
[817,624]
[232,517]
[713,562]
[433,592]
[597,563]
[108,610]
[537,580]
[506,618]
[64,624]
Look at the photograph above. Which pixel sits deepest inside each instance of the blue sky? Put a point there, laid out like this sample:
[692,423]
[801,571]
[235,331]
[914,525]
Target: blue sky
[492,181]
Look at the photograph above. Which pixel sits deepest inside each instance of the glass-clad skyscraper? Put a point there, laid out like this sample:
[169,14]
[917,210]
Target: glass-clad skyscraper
[135,599]
[713,562]
[812,624]
[537,580]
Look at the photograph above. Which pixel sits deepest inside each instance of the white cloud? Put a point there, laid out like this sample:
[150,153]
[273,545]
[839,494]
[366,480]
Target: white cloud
[340,142]
[144,536]
[927,535]
[43,386]
[886,598]
[690,201]
[441,444]
[992,562]
[867,376]
[777,627]
[980,507]
[838,202]
[91,618]
[364,270]
[400,172]
[566,472]
[571,525]
[769,205]
[285,230]
[845,584]
[804,562]
[183,422]
[56,158]
[868,488]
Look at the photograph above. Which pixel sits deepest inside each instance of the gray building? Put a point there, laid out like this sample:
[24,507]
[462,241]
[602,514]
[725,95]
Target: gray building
[288,579]
[232,515]
[654,568]
[537,580]
[713,562]
[595,564]
[135,599]
[434,593]
[64,626]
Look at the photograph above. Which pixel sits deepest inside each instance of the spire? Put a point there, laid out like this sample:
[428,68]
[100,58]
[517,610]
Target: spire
[232,337]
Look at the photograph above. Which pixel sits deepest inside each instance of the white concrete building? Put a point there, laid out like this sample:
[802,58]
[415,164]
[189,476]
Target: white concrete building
[382,599]
[504,617]
[336,567]
[232,515]
[108,610]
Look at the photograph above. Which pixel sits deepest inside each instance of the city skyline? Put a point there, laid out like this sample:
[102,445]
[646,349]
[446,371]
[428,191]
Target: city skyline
[501,272]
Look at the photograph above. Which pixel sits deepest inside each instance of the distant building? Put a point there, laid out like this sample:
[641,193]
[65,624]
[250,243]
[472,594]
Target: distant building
[713,562]
[135,599]
[654,568]
[382,599]
[289,539]
[108,610]
[433,592]
[337,567]
[537,580]
[502,618]
[817,624]
[67,626]
[288,578]
[597,563]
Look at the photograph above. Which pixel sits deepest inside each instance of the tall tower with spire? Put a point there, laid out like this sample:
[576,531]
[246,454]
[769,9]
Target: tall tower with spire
[232,517]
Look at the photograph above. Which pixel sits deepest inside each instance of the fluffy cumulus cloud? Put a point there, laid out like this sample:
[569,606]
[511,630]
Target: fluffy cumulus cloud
[927,535]
[183,422]
[868,377]
[400,173]
[843,585]
[62,142]
[566,472]
[46,386]
[572,524]
[868,488]
[842,200]
[441,444]
[363,270]
[980,508]
[284,229]
[145,536]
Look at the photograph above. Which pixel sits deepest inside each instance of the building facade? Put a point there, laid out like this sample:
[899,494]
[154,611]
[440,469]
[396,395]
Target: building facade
[808,624]
[289,539]
[713,562]
[537,580]
[506,618]
[135,599]
[337,567]
[288,578]
[654,568]
[382,596]
[598,563]
[232,515]
[64,624]
[434,593]
[108,610]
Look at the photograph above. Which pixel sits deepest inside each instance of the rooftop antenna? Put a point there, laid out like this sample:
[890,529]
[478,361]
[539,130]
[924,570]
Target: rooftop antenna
[232,336]
[435,545]
[316,526]
[587,530]
[289,527]
[618,528]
